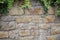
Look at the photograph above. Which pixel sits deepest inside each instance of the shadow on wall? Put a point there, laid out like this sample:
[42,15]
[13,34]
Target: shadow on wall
[3,8]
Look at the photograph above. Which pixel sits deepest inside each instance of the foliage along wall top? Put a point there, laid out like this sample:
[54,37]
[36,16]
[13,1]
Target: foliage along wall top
[6,5]
[51,3]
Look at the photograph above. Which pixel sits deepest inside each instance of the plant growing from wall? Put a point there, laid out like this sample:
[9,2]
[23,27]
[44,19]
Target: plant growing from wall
[51,3]
[6,5]
[3,6]
[58,7]
[26,4]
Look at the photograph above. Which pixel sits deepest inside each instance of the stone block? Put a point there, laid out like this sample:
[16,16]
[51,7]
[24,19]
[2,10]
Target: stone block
[23,19]
[37,11]
[27,11]
[51,38]
[51,10]
[16,11]
[8,18]
[14,34]
[54,37]
[35,33]
[27,38]
[3,34]
[44,26]
[55,30]
[24,33]
[37,19]
[8,26]
[50,18]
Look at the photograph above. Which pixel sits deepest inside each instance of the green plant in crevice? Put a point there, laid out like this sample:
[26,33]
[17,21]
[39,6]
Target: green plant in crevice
[58,7]
[58,12]
[51,3]
[6,5]
[46,4]
[3,7]
[26,4]
[10,3]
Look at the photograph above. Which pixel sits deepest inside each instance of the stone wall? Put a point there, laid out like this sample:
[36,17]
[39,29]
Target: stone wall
[29,24]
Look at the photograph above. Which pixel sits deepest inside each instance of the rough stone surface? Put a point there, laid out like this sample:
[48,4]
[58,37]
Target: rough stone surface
[55,30]
[16,11]
[14,34]
[3,34]
[37,11]
[27,38]
[8,25]
[24,33]
[8,18]
[53,37]
[50,18]
[23,19]
[44,26]
[35,32]
[30,24]
[51,10]
[27,11]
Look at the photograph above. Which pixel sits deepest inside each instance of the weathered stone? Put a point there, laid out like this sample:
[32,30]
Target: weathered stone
[57,24]
[24,33]
[4,26]
[20,11]
[43,34]
[14,34]
[4,39]
[27,26]
[13,11]
[53,37]
[13,39]
[27,11]
[37,19]
[44,26]
[58,37]
[33,27]
[23,19]
[12,25]
[27,38]
[8,26]
[55,30]
[16,11]
[57,20]
[9,39]
[37,11]
[51,10]
[50,18]
[35,33]
[7,18]
[3,34]
[36,38]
